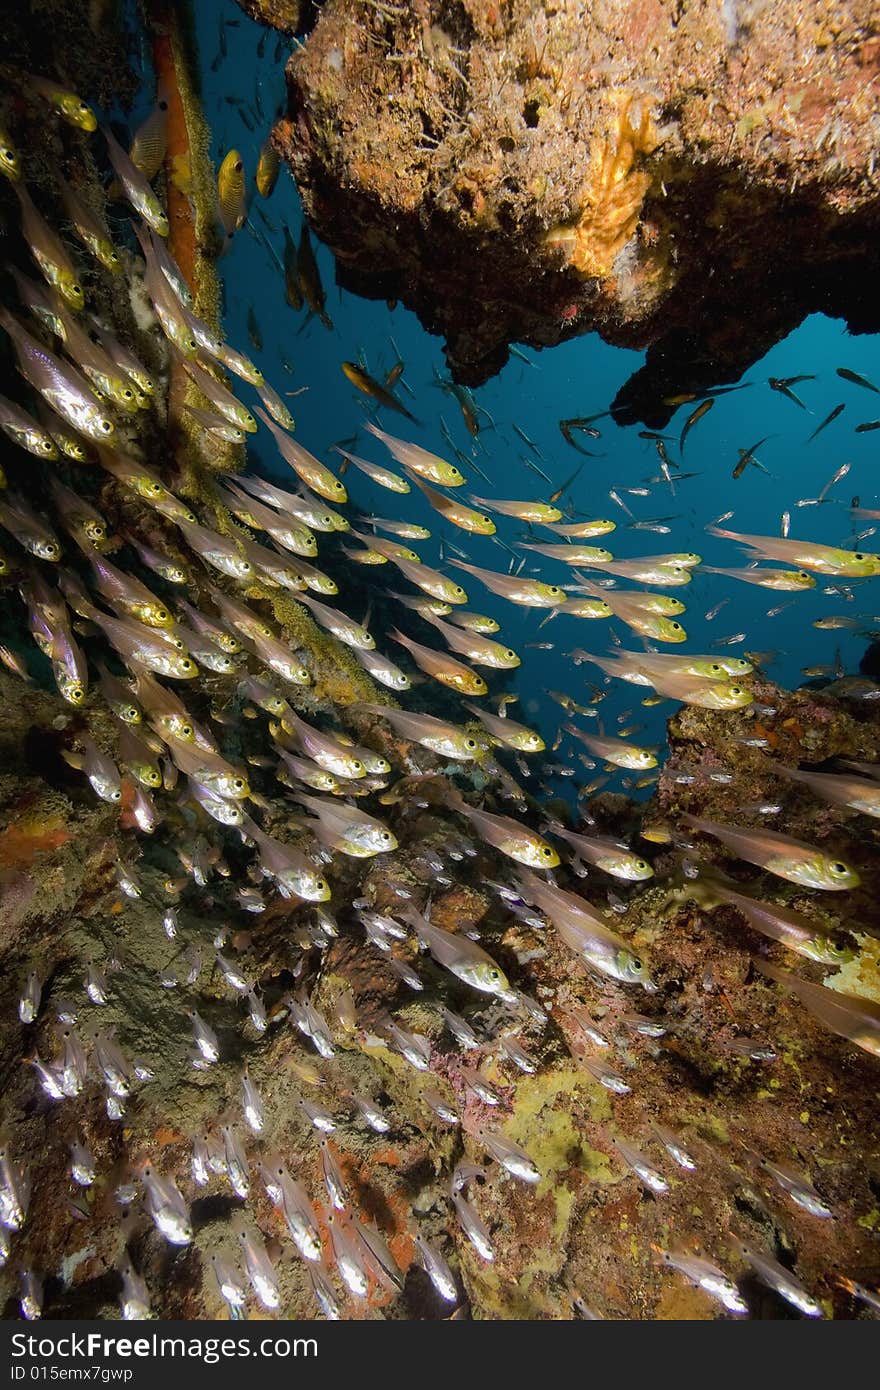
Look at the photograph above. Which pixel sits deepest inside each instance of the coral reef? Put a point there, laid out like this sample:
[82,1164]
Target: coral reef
[740,1073]
[525,173]
[184,947]
[289,16]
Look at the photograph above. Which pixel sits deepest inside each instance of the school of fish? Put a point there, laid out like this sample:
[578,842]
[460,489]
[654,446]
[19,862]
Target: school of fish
[220,725]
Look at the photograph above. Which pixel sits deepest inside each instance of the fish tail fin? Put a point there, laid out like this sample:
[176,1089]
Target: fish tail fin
[453,798]
[75,760]
[554,613]
[248,827]
[773,971]
[589,587]
[720,531]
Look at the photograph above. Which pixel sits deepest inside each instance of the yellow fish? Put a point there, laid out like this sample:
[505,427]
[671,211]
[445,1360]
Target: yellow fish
[807,555]
[268,166]
[532,593]
[10,164]
[443,668]
[69,106]
[465,518]
[540,512]
[508,836]
[789,859]
[419,460]
[230,193]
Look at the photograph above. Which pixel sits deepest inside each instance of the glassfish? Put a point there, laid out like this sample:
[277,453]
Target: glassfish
[382,476]
[807,555]
[69,106]
[518,589]
[790,859]
[584,932]
[459,955]
[611,856]
[313,473]
[856,793]
[420,460]
[48,251]
[60,384]
[538,512]
[465,518]
[513,839]
[851,1016]
[442,668]
[135,186]
[791,929]
[446,739]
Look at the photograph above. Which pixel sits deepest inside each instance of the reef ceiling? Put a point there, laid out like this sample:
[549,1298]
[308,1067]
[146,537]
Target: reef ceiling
[690,178]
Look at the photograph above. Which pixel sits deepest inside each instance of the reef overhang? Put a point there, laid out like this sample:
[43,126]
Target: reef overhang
[688,180]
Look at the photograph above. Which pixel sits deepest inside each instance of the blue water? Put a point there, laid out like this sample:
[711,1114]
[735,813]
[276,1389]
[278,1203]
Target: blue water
[579,378]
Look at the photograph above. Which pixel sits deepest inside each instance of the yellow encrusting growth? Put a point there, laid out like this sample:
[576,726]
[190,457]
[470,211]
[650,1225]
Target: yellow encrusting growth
[615,189]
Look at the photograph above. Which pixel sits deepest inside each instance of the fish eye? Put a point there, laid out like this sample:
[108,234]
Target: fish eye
[547,852]
[470,743]
[458,589]
[839,869]
[116,796]
[509,652]
[676,627]
[357,765]
[187,665]
[736,690]
[386,836]
[162,614]
[858,555]
[105,426]
[637,964]
[75,288]
[554,590]
[128,395]
[7,155]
